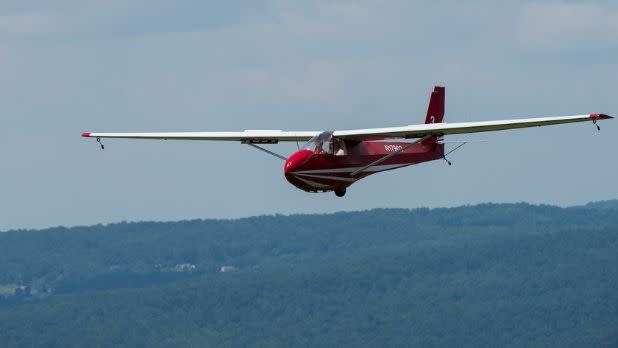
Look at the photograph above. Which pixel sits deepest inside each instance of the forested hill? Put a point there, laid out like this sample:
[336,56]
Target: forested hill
[484,275]
[611,204]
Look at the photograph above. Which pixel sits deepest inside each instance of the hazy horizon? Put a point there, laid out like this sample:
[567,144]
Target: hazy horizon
[302,214]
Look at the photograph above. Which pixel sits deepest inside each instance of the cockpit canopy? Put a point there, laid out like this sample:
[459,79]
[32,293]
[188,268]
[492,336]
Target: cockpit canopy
[325,143]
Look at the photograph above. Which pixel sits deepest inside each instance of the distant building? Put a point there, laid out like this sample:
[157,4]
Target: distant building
[7,290]
[184,267]
[228,269]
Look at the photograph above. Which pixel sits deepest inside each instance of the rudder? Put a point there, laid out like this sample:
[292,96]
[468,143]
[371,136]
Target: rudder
[435,111]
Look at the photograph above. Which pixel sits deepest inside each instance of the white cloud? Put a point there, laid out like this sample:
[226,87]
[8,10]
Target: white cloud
[28,23]
[350,10]
[561,25]
[334,20]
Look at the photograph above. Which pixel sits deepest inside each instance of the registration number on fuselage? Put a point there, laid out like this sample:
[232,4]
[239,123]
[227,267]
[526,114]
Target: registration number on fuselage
[393,148]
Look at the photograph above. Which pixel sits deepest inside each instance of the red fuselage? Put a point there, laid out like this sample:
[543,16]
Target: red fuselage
[312,171]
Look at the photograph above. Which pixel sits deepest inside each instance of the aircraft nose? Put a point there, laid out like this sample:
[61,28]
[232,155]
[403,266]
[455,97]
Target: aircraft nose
[296,160]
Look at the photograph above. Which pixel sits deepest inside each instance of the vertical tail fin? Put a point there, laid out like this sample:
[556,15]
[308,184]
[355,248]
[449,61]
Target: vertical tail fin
[435,114]
[435,111]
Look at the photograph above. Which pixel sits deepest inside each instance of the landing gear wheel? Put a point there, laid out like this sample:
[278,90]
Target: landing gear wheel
[340,192]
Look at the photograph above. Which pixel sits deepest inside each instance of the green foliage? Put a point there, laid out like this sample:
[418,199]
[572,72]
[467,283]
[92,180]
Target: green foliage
[486,275]
[611,204]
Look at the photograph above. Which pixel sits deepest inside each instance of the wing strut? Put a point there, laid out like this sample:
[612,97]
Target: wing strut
[382,159]
[267,151]
[453,150]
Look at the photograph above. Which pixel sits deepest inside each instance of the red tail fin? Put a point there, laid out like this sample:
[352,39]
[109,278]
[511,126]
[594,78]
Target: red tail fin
[435,111]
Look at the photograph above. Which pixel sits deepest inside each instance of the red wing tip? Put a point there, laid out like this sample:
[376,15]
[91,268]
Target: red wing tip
[86,134]
[600,117]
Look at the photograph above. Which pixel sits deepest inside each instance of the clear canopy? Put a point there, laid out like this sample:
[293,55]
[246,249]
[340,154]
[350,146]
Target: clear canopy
[324,143]
[320,143]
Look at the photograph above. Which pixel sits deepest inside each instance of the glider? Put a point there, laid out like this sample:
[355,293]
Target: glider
[334,160]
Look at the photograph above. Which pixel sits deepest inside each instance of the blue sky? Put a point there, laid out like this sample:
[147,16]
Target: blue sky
[68,67]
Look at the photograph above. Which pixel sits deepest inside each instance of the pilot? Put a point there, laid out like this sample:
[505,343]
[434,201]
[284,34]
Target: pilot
[340,147]
[318,147]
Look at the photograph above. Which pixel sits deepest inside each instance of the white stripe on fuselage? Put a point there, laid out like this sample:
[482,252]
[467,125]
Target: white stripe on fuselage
[312,183]
[339,178]
[352,169]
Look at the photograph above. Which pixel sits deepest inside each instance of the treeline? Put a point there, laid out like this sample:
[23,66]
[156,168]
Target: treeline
[486,275]
[56,255]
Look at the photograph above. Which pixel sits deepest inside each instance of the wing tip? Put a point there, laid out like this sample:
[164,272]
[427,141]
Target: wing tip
[600,117]
[86,134]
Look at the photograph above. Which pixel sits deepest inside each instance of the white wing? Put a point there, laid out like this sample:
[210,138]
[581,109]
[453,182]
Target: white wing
[439,129]
[408,132]
[248,136]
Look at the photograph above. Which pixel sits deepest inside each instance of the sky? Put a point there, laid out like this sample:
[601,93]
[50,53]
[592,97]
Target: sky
[68,67]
